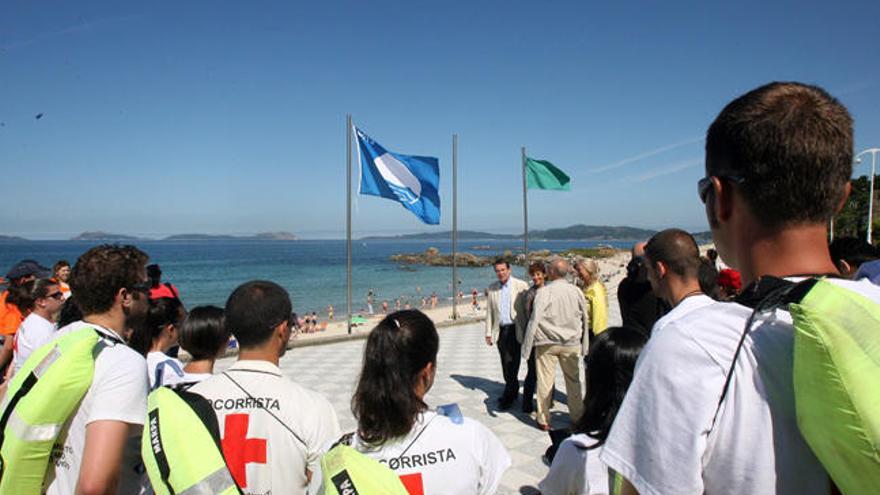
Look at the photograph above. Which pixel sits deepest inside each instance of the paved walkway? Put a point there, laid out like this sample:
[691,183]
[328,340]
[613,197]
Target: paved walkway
[468,373]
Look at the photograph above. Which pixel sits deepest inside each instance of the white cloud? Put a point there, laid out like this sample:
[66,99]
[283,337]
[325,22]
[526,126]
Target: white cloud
[647,154]
[664,170]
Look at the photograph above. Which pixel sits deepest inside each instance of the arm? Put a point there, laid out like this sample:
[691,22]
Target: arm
[6,351]
[538,309]
[600,309]
[102,456]
[627,488]
[585,322]
[489,315]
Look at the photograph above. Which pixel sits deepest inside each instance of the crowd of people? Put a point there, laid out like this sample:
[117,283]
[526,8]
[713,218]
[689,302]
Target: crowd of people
[693,393]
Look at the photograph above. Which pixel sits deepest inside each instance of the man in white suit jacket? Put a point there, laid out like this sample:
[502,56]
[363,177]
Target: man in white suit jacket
[503,326]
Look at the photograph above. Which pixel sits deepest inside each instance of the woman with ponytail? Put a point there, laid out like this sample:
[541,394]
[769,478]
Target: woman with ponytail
[437,452]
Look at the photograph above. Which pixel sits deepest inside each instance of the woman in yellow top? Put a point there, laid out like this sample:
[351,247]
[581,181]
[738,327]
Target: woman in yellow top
[595,293]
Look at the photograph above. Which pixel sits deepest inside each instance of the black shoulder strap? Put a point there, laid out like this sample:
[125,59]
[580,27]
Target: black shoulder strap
[763,295]
[261,406]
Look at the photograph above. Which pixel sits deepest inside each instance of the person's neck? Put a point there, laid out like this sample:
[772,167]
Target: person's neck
[796,250]
[678,289]
[42,313]
[259,354]
[111,320]
[204,366]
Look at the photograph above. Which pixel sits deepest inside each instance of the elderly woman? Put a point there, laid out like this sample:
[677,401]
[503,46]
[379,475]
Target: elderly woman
[595,293]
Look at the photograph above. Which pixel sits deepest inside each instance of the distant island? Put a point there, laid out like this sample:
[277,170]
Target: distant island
[571,233]
[11,238]
[265,236]
[98,235]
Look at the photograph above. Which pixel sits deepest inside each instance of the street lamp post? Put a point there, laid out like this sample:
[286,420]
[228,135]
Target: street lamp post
[873,152]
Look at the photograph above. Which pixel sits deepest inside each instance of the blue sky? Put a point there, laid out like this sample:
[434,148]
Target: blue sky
[229,117]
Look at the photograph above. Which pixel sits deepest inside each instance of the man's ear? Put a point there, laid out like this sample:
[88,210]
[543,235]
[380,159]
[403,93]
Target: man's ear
[124,296]
[660,268]
[846,192]
[723,197]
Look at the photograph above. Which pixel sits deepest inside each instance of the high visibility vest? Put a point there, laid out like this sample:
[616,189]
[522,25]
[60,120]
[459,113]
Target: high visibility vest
[41,398]
[181,446]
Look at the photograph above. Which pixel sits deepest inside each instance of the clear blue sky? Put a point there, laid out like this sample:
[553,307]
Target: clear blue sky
[229,117]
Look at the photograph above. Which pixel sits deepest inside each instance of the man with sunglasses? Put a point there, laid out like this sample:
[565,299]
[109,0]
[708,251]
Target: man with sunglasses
[778,166]
[98,450]
[39,326]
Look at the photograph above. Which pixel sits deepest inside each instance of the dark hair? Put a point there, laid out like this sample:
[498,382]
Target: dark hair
[677,250]
[203,334]
[163,311]
[70,312]
[792,144]
[385,403]
[537,266]
[611,361]
[712,254]
[59,265]
[709,278]
[501,261]
[101,272]
[154,273]
[853,251]
[254,309]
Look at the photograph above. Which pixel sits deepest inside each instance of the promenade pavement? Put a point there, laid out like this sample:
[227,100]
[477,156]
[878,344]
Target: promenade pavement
[468,373]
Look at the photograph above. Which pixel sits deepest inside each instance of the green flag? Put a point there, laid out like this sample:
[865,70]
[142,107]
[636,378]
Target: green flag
[541,174]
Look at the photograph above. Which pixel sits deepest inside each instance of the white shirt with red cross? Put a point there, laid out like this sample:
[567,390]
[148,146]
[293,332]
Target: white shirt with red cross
[271,428]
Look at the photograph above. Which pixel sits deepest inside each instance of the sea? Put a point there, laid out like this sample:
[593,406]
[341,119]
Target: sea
[312,271]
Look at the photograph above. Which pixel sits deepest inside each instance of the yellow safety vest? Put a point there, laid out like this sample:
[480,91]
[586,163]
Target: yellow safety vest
[41,398]
[181,446]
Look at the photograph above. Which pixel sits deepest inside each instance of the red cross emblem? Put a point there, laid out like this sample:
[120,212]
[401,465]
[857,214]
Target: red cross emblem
[240,450]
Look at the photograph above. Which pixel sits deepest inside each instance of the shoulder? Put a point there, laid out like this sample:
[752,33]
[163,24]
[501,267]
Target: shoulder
[862,287]
[495,286]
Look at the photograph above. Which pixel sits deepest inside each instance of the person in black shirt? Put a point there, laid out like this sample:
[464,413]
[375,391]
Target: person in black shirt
[639,307]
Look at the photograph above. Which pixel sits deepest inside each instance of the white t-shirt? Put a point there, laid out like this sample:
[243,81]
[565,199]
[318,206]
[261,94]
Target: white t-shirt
[663,440]
[576,470]
[118,393]
[684,307]
[33,333]
[163,369]
[262,453]
[445,458]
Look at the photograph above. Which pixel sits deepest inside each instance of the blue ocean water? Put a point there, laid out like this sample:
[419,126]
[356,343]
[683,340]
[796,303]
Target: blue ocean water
[313,271]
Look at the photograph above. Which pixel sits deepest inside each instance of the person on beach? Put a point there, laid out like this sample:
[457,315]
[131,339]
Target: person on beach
[778,168]
[538,274]
[204,336]
[432,452]
[158,289]
[14,305]
[611,361]
[385,307]
[273,430]
[330,312]
[558,331]
[99,449]
[503,327]
[158,334]
[672,260]
[61,274]
[639,307]
[45,300]
[594,291]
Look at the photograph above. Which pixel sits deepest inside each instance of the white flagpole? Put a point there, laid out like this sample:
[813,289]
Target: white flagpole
[454,226]
[348,216]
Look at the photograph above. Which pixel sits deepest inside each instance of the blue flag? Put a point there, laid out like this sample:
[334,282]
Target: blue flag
[412,181]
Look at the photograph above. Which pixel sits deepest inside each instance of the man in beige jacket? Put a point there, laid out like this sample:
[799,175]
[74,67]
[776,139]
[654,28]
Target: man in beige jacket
[558,330]
[503,326]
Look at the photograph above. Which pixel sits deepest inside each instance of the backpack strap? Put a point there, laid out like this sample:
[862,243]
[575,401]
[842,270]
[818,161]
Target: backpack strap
[261,406]
[763,295]
[160,372]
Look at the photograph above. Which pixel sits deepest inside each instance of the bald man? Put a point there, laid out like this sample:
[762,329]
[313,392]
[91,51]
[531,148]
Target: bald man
[558,330]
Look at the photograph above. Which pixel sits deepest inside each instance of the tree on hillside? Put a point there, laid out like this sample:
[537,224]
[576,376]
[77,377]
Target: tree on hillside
[852,221]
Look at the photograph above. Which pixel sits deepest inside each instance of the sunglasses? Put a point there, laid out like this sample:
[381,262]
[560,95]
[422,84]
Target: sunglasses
[141,287]
[704,185]
[56,295]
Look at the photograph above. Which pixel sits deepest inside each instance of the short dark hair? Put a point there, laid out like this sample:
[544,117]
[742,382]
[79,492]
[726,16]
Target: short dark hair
[791,143]
[101,271]
[25,296]
[537,266]
[501,261]
[384,402]
[59,265]
[611,361]
[708,276]
[677,250]
[852,250]
[204,334]
[254,309]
